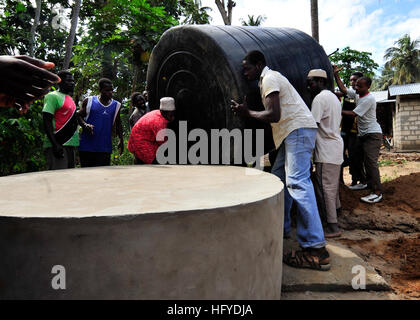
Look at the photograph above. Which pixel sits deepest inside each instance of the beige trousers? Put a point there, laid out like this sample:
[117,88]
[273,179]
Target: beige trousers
[326,186]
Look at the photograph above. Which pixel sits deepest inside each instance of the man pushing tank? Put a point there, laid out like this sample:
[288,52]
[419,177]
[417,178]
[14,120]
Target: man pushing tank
[294,133]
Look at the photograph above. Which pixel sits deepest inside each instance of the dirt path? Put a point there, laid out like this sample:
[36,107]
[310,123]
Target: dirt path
[387,235]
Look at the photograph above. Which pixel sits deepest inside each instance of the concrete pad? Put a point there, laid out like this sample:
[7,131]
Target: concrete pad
[132,190]
[338,278]
[356,295]
[142,232]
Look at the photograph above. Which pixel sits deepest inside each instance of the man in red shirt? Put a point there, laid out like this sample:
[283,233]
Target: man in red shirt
[142,142]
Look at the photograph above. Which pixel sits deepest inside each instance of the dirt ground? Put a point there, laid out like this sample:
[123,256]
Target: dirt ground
[387,234]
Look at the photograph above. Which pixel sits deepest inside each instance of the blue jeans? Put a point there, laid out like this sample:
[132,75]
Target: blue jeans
[292,166]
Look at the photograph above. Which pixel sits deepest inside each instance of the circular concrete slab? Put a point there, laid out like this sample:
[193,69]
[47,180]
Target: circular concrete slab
[141,232]
[128,190]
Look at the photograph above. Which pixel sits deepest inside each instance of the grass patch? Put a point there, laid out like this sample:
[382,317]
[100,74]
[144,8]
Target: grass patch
[386,178]
[390,163]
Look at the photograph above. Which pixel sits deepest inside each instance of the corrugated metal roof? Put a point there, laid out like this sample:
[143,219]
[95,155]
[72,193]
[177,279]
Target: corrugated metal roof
[380,95]
[404,89]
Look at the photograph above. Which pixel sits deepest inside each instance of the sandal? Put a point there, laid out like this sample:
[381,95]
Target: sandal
[307,258]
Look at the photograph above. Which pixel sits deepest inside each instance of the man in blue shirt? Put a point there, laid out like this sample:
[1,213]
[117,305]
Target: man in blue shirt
[97,117]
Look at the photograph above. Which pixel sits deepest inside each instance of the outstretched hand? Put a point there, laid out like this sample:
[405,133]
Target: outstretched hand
[23,80]
[89,128]
[240,108]
[337,69]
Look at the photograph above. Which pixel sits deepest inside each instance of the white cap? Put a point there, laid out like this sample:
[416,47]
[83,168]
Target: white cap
[167,104]
[319,73]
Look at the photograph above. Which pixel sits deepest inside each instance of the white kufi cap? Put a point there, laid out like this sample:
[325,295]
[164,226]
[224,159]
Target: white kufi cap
[319,73]
[167,104]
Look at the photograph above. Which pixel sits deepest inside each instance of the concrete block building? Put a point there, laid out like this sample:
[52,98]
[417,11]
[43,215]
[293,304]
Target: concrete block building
[406,116]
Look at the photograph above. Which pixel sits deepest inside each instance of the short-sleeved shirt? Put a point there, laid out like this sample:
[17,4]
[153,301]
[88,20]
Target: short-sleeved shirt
[366,112]
[62,107]
[294,112]
[326,110]
[142,142]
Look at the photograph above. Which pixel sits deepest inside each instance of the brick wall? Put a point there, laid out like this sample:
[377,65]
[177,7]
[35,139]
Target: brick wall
[406,122]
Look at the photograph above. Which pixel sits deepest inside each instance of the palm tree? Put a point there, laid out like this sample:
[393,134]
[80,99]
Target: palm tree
[383,81]
[253,21]
[404,59]
[314,19]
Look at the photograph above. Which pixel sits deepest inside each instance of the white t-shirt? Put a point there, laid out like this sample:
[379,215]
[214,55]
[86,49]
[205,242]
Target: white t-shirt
[326,109]
[366,112]
[351,93]
[294,112]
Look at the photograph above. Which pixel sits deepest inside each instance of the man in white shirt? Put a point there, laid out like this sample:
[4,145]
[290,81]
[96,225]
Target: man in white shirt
[369,132]
[352,145]
[294,133]
[328,157]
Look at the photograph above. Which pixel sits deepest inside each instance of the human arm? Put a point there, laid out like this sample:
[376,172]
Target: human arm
[57,148]
[82,113]
[271,114]
[131,121]
[318,107]
[340,83]
[364,105]
[24,79]
[119,129]
[348,113]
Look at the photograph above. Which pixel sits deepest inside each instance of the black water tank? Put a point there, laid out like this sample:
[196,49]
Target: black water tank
[201,67]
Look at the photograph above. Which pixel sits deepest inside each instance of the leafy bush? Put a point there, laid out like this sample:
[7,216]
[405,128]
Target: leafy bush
[126,158]
[21,138]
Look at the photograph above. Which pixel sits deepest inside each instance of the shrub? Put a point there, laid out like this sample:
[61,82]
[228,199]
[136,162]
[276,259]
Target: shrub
[21,138]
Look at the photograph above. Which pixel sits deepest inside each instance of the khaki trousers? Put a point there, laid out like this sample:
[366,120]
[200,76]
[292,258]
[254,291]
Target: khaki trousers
[326,185]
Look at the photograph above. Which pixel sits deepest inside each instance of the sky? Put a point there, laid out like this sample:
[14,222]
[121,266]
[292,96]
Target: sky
[363,25]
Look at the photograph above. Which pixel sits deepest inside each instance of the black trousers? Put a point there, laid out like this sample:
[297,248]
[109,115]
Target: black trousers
[54,163]
[94,159]
[356,155]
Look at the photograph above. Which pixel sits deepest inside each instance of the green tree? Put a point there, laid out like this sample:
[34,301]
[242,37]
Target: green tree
[21,136]
[253,21]
[21,140]
[115,38]
[352,61]
[185,11]
[404,60]
[119,37]
[383,81]
[15,26]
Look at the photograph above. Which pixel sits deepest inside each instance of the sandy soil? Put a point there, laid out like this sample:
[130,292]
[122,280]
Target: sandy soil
[387,234]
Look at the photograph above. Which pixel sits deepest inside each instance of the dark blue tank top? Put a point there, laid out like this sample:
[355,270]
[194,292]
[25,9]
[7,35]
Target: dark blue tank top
[102,118]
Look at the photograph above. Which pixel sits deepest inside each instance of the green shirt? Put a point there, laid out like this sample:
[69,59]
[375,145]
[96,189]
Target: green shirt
[62,107]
